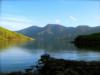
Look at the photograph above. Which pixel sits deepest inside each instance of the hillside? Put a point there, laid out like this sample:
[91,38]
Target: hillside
[56,31]
[92,40]
[6,34]
[49,32]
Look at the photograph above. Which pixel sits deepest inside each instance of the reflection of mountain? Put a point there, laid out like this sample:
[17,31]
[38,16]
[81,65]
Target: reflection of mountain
[55,31]
[6,34]
[49,45]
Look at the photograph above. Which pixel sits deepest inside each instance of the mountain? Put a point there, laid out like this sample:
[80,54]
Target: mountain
[49,32]
[6,34]
[33,30]
[56,31]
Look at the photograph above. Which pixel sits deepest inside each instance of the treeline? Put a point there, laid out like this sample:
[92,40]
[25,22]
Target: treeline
[88,40]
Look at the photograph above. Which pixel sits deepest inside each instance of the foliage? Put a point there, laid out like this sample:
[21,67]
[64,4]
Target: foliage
[6,34]
[88,40]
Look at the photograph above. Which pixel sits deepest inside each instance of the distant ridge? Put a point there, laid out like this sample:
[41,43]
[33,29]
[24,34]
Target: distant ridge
[56,31]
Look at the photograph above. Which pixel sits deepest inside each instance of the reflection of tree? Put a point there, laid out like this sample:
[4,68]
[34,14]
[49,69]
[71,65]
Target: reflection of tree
[8,43]
[86,47]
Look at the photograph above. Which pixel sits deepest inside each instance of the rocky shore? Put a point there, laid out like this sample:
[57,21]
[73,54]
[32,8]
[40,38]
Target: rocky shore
[51,66]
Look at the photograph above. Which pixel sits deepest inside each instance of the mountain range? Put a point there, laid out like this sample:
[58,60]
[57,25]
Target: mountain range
[57,32]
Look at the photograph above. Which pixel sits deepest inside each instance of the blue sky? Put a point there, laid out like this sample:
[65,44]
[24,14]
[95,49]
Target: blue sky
[19,14]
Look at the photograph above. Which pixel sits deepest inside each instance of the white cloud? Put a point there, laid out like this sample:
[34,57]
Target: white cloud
[16,19]
[98,17]
[73,18]
[15,22]
[58,21]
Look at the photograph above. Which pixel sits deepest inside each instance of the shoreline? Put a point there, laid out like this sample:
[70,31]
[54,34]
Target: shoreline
[48,65]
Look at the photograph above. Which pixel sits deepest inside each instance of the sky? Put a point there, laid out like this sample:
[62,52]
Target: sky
[20,14]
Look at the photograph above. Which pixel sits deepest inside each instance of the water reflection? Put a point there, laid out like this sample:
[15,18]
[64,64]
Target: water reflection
[5,44]
[16,59]
[50,45]
[17,56]
[86,47]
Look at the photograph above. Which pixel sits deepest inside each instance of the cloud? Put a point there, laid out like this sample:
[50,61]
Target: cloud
[73,18]
[58,21]
[16,19]
[15,22]
[98,17]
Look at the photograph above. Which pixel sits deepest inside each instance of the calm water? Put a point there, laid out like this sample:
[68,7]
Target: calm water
[21,56]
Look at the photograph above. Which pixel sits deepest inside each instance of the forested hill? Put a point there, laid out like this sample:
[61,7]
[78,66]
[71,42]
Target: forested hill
[88,40]
[6,34]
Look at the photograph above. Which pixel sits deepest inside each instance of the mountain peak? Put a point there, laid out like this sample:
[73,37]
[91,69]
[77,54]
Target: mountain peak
[81,26]
[49,25]
[54,26]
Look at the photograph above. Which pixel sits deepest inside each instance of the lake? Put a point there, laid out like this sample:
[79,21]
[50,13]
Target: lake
[17,57]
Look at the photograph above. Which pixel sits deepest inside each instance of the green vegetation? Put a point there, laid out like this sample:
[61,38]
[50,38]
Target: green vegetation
[92,40]
[10,38]
[6,34]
